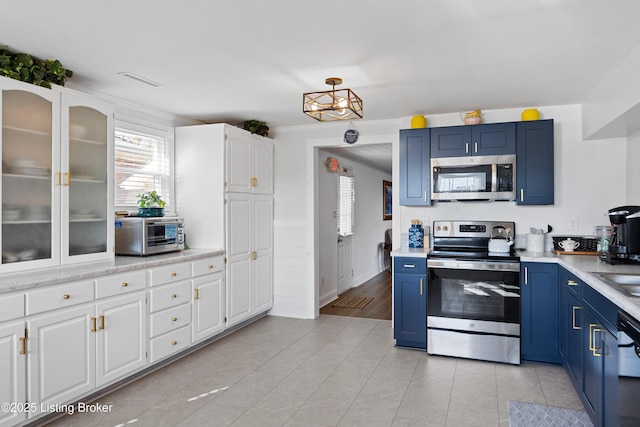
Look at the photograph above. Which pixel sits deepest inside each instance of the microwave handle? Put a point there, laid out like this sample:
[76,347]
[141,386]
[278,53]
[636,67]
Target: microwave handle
[494,177]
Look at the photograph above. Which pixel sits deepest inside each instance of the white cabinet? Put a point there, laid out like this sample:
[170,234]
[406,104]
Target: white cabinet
[249,255]
[237,215]
[13,370]
[76,343]
[170,310]
[57,158]
[61,355]
[249,162]
[208,297]
[121,336]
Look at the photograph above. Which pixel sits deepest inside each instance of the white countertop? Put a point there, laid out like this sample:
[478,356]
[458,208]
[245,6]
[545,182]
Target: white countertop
[45,277]
[580,265]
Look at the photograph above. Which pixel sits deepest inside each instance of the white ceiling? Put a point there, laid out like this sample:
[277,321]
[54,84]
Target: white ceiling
[236,60]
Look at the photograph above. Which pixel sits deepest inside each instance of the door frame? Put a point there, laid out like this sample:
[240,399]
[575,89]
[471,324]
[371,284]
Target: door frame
[312,203]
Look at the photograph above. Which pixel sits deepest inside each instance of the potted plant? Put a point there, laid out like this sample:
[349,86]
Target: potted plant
[256,126]
[150,203]
[24,67]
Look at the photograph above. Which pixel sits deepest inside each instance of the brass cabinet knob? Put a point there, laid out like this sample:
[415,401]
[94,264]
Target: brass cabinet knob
[125,284]
[174,342]
[66,296]
[174,296]
[174,319]
[174,274]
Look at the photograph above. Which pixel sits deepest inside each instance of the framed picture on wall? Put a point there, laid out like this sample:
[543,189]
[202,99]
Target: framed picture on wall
[386,200]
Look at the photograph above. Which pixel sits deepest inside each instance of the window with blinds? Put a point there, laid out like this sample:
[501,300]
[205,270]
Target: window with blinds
[346,204]
[142,163]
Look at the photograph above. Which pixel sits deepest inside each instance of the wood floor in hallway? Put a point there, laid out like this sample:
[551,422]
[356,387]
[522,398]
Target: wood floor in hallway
[378,287]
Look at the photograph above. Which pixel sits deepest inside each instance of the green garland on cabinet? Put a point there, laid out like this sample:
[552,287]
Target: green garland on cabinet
[24,67]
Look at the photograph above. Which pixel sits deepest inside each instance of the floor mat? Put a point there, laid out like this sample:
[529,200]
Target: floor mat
[352,302]
[523,414]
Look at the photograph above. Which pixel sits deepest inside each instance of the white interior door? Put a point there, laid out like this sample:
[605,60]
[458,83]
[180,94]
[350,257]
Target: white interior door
[345,263]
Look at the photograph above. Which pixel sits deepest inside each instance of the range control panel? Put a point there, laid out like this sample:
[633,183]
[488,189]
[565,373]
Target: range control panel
[486,229]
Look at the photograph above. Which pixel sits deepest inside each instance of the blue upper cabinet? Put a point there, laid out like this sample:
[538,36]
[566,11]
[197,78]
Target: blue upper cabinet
[414,167]
[534,164]
[474,140]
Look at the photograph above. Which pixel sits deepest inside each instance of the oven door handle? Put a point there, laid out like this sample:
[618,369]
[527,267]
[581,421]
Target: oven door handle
[473,265]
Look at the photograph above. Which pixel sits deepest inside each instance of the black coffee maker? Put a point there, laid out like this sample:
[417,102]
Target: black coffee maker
[625,241]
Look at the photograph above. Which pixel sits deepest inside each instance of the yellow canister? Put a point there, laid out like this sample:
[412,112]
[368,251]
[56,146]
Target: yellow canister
[530,114]
[418,122]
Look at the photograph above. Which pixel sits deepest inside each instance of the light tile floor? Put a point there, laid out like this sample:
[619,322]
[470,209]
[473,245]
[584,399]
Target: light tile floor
[331,371]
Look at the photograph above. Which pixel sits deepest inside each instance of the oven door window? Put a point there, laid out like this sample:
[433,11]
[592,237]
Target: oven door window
[162,234]
[474,294]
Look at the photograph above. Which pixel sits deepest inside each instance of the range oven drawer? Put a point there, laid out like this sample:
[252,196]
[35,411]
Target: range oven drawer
[410,265]
[494,348]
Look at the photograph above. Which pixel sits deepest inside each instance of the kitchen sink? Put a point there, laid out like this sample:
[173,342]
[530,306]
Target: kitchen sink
[628,284]
[632,289]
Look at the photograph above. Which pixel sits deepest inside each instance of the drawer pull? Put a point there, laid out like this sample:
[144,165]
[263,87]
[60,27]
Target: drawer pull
[174,319]
[174,274]
[23,345]
[66,296]
[211,266]
[174,342]
[174,296]
[573,317]
[125,284]
[409,266]
[572,283]
[595,344]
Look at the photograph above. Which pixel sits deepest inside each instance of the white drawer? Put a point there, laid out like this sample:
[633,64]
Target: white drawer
[119,284]
[11,306]
[59,296]
[169,274]
[207,266]
[170,296]
[170,343]
[170,319]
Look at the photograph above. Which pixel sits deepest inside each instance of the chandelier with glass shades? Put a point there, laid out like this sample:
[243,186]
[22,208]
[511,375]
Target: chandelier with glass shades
[334,104]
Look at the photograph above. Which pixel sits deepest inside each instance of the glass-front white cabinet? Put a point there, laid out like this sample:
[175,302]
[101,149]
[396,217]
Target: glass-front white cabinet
[87,136]
[55,192]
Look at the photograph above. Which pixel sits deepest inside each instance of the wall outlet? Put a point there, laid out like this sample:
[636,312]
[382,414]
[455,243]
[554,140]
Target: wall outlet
[573,223]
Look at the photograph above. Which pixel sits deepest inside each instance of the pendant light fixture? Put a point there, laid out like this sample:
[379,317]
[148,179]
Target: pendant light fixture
[334,104]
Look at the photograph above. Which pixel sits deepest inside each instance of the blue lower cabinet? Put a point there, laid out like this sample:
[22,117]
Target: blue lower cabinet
[410,302]
[590,348]
[540,317]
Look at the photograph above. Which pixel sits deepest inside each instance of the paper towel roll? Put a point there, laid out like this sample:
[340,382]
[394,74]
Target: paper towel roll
[535,242]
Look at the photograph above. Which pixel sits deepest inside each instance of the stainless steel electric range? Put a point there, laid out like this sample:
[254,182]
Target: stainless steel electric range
[473,295]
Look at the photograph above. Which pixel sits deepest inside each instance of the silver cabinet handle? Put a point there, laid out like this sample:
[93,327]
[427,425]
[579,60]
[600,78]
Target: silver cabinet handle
[522,194]
[526,275]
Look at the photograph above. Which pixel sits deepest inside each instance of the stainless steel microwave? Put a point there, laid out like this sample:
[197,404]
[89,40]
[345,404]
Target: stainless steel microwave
[473,178]
[149,236]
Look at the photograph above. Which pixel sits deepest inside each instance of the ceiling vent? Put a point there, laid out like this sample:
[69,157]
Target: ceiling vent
[140,79]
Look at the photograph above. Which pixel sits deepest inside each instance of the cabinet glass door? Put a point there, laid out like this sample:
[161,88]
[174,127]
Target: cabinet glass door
[29,131]
[86,178]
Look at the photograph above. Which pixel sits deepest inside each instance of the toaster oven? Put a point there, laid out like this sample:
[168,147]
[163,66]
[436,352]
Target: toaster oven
[149,236]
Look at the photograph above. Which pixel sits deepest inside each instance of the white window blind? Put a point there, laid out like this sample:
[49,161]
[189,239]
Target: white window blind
[346,204]
[142,163]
